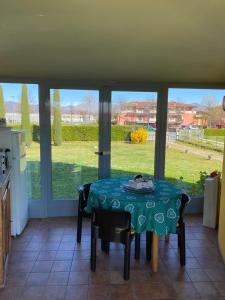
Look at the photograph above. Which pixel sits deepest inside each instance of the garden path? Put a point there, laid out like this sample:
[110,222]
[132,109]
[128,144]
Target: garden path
[208,154]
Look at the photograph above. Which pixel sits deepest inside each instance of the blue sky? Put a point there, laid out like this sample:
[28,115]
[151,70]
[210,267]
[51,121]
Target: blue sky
[12,92]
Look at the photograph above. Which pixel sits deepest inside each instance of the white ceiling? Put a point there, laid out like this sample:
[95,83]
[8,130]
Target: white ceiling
[123,40]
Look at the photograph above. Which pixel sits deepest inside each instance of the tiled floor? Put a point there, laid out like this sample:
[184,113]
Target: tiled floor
[47,264]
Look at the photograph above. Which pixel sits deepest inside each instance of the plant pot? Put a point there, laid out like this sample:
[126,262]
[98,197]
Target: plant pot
[195,206]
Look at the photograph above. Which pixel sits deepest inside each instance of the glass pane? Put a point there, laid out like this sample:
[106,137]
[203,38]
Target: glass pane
[74,119]
[19,104]
[133,133]
[195,138]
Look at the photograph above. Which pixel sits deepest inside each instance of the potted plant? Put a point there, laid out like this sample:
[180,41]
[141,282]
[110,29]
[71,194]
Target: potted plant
[196,191]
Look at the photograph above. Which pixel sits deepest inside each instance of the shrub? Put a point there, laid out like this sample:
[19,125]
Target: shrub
[80,132]
[139,136]
[83,132]
[36,133]
[214,132]
[121,133]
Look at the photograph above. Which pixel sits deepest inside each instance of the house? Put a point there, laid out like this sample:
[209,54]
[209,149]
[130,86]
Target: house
[144,112]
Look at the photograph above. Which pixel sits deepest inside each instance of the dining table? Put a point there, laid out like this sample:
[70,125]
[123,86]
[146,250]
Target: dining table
[156,211]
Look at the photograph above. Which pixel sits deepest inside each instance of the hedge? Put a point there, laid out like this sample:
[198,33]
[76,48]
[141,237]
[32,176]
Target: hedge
[214,132]
[80,132]
[87,133]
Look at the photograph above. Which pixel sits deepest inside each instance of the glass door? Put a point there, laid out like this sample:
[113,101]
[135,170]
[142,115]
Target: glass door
[133,132]
[195,137]
[74,140]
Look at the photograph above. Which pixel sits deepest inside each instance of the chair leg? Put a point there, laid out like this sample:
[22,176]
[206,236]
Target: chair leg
[79,227]
[137,245]
[148,245]
[167,238]
[178,240]
[93,254]
[126,272]
[105,246]
[182,245]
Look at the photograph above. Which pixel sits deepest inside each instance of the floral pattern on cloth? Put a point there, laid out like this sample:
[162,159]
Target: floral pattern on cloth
[157,211]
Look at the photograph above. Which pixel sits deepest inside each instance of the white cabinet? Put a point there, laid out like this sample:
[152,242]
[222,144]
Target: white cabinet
[211,196]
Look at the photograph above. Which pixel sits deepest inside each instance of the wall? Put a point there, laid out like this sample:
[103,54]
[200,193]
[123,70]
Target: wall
[222,212]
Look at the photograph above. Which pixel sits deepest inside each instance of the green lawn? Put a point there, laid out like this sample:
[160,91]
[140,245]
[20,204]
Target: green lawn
[75,162]
[215,138]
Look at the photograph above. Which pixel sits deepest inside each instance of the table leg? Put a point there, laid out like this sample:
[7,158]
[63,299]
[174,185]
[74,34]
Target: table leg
[155,250]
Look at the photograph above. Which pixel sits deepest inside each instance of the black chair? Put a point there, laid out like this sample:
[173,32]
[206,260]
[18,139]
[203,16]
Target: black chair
[111,226]
[180,232]
[83,196]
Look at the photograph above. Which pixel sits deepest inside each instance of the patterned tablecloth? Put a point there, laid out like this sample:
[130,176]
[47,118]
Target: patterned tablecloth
[157,211]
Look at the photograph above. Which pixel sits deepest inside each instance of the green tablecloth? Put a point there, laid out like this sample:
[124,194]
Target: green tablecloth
[157,211]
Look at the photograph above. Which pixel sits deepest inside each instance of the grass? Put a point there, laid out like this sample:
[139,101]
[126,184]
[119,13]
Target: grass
[215,138]
[75,162]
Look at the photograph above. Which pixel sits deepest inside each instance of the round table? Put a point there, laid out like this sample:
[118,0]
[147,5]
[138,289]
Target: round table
[157,211]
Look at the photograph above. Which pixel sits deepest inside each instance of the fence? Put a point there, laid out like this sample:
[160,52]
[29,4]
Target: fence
[196,137]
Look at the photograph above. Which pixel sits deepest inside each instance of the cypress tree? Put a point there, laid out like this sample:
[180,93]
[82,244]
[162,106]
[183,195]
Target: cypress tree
[2,104]
[25,115]
[57,126]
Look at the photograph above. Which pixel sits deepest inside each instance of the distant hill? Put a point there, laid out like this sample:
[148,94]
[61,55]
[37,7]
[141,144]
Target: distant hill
[12,106]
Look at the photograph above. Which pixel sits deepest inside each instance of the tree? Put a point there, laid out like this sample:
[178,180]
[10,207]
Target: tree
[2,104]
[25,115]
[90,107]
[57,126]
[210,103]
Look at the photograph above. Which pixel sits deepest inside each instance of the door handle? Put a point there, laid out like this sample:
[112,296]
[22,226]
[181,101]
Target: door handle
[101,153]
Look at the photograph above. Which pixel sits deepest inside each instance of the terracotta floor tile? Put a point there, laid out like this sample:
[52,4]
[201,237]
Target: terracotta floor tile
[34,246]
[67,246]
[50,246]
[197,275]
[78,278]
[46,263]
[32,293]
[206,289]
[61,266]
[42,266]
[153,290]
[77,292]
[192,263]
[216,274]
[10,293]
[120,292]
[102,277]
[185,290]
[19,245]
[54,292]
[220,286]
[37,279]
[81,265]
[16,279]
[69,238]
[84,254]
[98,292]
[47,255]
[64,255]
[58,278]
[20,267]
